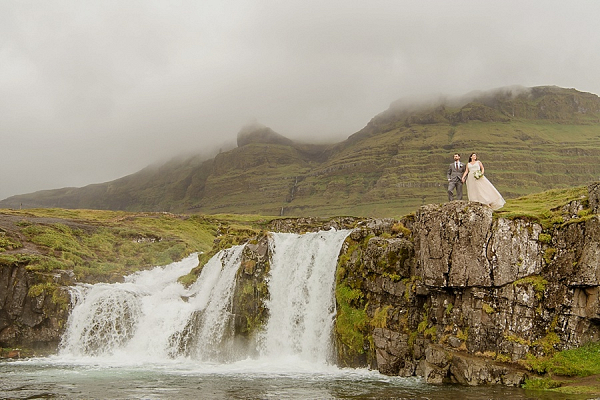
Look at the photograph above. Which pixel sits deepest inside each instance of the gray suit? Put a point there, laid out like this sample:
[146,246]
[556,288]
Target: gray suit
[455,180]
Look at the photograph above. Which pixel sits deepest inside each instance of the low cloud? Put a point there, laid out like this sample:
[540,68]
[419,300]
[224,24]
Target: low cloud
[92,91]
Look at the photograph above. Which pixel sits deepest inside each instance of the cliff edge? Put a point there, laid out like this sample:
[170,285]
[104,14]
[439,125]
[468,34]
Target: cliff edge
[453,293]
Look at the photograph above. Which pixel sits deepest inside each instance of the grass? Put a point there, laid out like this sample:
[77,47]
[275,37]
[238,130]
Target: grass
[543,207]
[581,362]
[102,245]
[390,168]
[580,366]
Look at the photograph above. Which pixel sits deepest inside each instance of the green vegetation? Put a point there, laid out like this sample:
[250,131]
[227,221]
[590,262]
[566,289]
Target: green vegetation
[545,238]
[379,320]
[543,208]
[580,362]
[463,335]
[104,245]
[351,322]
[449,308]
[537,282]
[516,339]
[528,143]
[488,309]
[7,243]
[541,384]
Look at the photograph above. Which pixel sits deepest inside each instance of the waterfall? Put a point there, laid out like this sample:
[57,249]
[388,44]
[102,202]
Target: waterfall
[302,304]
[148,316]
[151,316]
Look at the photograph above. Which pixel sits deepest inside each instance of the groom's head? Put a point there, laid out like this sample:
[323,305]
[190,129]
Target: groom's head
[456,157]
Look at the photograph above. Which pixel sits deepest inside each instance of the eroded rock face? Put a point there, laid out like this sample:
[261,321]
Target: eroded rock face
[29,318]
[478,293]
[251,291]
[594,197]
[452,293]
[451,240]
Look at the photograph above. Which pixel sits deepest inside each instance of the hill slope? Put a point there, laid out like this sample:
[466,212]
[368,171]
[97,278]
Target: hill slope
[530,140]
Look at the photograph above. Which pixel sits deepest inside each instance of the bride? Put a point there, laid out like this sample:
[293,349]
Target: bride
[478,187]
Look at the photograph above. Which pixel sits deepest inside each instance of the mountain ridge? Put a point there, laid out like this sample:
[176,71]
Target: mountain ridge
[530,139]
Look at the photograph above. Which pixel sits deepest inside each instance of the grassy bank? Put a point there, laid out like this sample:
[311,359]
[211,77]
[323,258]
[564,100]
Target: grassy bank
[105,245]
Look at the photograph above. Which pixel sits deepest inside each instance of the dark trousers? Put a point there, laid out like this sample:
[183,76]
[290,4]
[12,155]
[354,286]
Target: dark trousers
[451,186]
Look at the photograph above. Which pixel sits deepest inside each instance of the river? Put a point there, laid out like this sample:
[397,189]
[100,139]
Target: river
[151,338]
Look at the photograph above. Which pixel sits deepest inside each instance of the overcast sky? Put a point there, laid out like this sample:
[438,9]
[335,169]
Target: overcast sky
[91,91]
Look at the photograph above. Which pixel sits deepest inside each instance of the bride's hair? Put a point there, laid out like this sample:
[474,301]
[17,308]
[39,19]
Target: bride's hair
[471,157]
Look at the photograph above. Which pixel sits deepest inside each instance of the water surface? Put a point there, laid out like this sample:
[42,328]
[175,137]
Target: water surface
[62,378]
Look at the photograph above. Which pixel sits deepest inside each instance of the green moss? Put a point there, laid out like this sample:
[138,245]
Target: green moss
[463,335]
[411,285]
[503,358]
[351,322]
[57,295]
[48,264]
[399,228]
[431,333]
[545,238]
[549,254]
[583,361]
[449,308]
[516,339]
[8,243]
[540,384]
[411,339]
[548,342]
[544,207]
[537,282]
[379,320]
[101,245]
[392,277]
[422,327]
[18,259]
[188,279]
[488,309]
[584,213]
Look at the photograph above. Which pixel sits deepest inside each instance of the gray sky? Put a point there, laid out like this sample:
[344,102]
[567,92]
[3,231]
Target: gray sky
[91,91]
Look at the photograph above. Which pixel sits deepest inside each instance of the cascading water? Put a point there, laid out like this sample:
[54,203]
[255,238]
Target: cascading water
[302,305]
[148,316]
[150,337]
[152,317]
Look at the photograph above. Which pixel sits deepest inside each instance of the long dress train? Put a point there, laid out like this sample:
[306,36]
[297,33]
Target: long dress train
[482,190]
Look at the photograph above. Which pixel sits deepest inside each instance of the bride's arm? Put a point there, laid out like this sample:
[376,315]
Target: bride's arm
[481,166]
[466,172]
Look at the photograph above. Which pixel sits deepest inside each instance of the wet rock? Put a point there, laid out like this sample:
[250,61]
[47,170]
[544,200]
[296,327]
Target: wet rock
[594,197]
[474,371]
[477,290]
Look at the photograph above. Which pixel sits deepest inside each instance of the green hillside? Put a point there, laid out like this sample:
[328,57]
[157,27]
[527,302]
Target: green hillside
[529,140]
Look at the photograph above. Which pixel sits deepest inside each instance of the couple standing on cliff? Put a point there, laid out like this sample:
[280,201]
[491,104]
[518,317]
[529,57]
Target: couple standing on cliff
[479,188]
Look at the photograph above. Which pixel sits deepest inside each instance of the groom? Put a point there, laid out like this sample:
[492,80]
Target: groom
[455,173]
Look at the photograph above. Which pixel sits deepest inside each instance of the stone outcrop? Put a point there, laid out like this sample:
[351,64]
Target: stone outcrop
[453,293]
[249,309]
[33,307]
[475,294]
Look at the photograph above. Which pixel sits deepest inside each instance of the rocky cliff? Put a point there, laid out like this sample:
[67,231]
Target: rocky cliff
[33,307]
[453,293]
[456,294]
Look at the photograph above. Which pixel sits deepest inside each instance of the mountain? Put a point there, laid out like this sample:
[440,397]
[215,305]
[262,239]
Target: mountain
[529,139]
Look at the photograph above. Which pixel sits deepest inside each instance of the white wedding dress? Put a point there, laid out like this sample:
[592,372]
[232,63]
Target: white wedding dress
[482,190]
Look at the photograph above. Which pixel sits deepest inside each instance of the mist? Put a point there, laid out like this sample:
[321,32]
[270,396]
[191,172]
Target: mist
[93,91]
